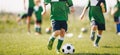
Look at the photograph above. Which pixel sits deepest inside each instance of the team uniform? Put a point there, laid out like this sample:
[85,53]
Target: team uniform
[96,18]
[95,13]
[59,18]
[59,13]
[31,7]
[117,16]
[38,10]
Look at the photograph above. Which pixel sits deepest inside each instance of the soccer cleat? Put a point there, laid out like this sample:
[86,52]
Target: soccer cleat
[50,44]
[58,51]
[95,45]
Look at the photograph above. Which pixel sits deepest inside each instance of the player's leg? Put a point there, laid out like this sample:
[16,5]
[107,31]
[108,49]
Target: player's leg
[56,32]
[20,17]
[98,38]
[93,30]
[118,27]
[52,38]
[28,24]
[101,28]
[30,11]
[38,27]
[116,19]
[18,20]
[60,40]
[62,34]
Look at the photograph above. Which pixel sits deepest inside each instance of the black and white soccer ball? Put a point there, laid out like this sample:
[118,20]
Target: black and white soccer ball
[48,30]
[84,30]
[68,49]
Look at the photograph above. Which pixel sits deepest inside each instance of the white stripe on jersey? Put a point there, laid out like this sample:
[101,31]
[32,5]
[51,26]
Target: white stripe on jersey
[54,0]
[94,2]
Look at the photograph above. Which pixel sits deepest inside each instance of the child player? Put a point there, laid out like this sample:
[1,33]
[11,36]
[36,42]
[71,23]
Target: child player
[30,12]
[22,15]
[116,13]
[39,7]
[96,10]
[59,17]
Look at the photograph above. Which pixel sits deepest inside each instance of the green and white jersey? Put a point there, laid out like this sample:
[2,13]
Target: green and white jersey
[117,14]
[95,11]
[31,3]
[59,9]
[38,10]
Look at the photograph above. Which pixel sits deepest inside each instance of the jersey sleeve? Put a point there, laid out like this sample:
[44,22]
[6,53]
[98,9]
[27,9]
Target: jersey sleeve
[70,3]
[47,2]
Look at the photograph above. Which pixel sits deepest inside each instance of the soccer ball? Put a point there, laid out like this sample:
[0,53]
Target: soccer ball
[68,49]
[48,30]
[84,30]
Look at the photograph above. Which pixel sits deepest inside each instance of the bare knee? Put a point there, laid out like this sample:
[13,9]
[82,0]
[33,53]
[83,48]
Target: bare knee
[62,32]
[56,33]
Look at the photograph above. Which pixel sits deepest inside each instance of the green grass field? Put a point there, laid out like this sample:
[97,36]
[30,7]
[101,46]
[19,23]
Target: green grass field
[14,39]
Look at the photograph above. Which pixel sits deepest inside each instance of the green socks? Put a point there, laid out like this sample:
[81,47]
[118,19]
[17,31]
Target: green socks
[98,39]
[93,33]
[92,36]
[37,29]
[52,39]
[50,43]
[60,41]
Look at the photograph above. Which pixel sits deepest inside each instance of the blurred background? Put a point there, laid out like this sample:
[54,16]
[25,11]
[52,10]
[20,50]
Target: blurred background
[14,39]
[17,5]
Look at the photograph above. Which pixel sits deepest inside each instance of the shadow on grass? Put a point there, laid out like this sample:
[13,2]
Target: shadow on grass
[111,46]
[91,54]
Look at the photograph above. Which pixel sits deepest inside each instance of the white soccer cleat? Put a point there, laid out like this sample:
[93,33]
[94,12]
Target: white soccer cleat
[95,45]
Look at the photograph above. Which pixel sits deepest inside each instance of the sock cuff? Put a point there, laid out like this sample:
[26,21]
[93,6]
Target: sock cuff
[52,37]
[93,31]
[61,38]
[37,26]
[98,35]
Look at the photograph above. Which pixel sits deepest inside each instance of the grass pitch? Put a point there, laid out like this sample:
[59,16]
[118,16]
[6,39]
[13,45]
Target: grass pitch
[14,39]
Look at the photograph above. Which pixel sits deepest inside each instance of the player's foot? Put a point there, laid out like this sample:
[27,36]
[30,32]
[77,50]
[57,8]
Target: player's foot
[58,51]
[95,45]
[37,33]
[50,44]
[92,37]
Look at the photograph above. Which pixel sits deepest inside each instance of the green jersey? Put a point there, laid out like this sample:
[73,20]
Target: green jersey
[38,12]
[118,11]
[95,11]
[59,9]
[31,3]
